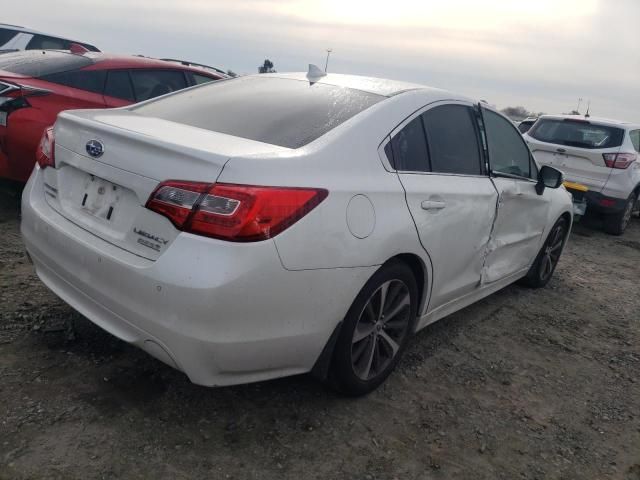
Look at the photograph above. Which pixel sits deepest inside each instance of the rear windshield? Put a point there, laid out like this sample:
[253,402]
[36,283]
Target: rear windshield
[37,63]
[6,35]
[577,133]
[285,112]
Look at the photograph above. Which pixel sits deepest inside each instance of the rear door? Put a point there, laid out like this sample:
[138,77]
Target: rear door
[576,147]
[452,201]
[522,214]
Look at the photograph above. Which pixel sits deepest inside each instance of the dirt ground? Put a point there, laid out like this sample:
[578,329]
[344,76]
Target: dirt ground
[525,384]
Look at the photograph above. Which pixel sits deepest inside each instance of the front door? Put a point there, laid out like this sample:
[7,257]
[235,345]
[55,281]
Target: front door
[522,214]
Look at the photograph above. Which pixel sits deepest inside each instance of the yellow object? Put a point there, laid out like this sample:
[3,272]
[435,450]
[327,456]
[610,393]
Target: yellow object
[576,186]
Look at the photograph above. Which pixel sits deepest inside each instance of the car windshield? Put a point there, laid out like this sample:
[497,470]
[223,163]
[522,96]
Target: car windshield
[577,133]
[285,112]
[37,63]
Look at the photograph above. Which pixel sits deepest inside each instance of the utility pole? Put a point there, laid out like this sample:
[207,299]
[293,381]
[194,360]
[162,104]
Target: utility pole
[326,64]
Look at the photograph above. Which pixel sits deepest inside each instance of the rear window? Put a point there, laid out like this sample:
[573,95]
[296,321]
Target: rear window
[285,112]
[577,133]
[38,63]
[90,80]
[6,35]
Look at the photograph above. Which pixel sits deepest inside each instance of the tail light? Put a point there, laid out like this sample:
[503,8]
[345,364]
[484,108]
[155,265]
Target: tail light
[619,160]
[11,99]
[45,154]
[238,213]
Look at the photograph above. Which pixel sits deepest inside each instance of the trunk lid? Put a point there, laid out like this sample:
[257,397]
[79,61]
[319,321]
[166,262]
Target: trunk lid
[106,193]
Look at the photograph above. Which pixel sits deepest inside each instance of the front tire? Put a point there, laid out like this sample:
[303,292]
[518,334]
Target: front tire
[375,331]
[617,223]
[547,260]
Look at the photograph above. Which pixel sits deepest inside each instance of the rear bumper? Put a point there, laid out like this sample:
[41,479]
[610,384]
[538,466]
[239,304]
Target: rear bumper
[598,202]
[223,313]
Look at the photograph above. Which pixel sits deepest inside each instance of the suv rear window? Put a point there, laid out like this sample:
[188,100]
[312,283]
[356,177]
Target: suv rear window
[36,63]
[285,112]
[577,133]
[6,35]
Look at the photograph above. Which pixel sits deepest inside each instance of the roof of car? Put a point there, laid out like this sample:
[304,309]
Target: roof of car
[598,120]
[111,60]
[378,86]
[101,61]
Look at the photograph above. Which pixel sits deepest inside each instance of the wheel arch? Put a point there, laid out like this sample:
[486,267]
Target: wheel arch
[419,269]
[417,265]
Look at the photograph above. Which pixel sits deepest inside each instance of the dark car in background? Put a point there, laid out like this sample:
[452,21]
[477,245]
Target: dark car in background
[37,85]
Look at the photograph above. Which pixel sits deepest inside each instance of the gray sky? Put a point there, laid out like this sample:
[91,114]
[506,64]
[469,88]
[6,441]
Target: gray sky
[542,54]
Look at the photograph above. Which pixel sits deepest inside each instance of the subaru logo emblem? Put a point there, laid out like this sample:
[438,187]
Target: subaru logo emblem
[95,148]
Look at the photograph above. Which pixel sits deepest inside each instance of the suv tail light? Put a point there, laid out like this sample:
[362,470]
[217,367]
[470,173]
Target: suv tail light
[45,152]
[238,213]
[619,160]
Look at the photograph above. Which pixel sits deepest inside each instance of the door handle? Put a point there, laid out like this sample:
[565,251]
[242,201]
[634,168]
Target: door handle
[433,205]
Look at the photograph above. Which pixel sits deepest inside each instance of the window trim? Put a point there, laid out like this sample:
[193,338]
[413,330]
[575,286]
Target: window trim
[386,163]
[532,160]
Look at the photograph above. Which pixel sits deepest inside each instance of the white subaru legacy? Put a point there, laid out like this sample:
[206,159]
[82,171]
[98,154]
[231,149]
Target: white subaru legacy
[272,225]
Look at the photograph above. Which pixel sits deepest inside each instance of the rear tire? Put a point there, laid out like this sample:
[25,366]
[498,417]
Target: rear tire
[375,331]
[547,260]
[617,223]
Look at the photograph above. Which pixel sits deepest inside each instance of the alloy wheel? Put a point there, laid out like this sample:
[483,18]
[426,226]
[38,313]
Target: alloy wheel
[381,329]
[551,253]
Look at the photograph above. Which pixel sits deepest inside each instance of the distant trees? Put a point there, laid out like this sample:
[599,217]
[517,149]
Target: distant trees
[231,73]
[517,113]
[266,67]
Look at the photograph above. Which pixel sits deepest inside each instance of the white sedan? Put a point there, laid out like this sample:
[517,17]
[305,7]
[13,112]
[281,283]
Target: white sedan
[272,225]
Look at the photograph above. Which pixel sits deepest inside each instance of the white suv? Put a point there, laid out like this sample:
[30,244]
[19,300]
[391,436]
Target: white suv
[599,154]
[14,38]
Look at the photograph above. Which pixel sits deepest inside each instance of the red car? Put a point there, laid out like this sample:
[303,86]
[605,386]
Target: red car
[37,85]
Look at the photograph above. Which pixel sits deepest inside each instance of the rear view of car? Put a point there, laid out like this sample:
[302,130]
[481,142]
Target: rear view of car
[599,157]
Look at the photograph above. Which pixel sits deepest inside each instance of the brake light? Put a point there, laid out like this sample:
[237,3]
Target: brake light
[45,155]
[619,160]
[238,213]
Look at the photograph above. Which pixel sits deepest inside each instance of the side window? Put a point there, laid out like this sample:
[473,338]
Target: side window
[119,85]
[453,140]
[6,35]
[153,83]
[42,42]
[409,147]
[508,153]
[200,79]
[635,139]
[90,80]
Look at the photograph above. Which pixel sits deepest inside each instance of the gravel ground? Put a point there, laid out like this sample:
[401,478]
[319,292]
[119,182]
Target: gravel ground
[524,384]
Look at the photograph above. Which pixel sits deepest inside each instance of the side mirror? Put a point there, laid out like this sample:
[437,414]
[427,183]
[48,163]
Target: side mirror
[548,177]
